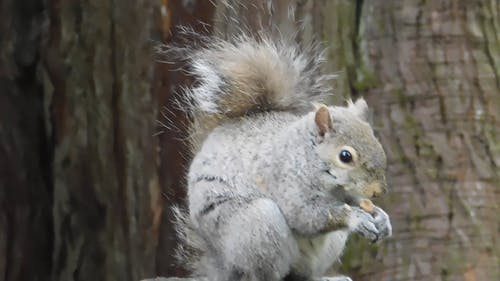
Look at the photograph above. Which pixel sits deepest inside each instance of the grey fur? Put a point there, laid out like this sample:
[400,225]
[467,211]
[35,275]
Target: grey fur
[267,192]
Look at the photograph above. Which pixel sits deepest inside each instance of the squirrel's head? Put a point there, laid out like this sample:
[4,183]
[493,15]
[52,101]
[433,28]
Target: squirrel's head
[353,157]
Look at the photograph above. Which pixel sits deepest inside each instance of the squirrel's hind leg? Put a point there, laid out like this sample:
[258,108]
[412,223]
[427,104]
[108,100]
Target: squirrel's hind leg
[249,237]
[264,245]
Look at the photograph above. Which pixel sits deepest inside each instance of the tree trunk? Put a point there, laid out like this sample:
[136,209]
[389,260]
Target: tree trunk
[86,181]
[112,187]
[98,83]
[25,154]
[435,96]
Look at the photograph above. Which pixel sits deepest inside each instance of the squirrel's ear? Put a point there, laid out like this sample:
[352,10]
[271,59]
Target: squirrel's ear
[323,120]
[359,108]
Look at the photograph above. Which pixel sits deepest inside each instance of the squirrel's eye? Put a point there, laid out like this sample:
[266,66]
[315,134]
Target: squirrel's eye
[345,156]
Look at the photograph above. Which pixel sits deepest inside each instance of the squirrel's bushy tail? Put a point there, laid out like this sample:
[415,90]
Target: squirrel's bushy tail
[250,74]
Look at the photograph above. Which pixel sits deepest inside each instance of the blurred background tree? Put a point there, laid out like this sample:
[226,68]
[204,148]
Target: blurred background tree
[87,176]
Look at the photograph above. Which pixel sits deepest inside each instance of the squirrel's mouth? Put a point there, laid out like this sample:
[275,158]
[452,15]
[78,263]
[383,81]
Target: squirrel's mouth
[331,174]
[348,196]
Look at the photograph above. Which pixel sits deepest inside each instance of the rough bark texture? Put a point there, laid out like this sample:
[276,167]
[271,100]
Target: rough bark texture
[25,175]
[86,181]
[106,186]
[436,103]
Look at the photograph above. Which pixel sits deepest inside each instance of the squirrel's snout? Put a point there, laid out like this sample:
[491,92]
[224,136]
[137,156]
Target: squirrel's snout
[375,189]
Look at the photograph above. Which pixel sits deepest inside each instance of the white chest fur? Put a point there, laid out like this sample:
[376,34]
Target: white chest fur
[318,254]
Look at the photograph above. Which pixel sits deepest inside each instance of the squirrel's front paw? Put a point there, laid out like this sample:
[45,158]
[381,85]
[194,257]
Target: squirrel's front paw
[364,224]
[382,222]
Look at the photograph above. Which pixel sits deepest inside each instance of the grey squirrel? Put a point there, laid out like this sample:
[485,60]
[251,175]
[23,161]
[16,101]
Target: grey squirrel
[276,178]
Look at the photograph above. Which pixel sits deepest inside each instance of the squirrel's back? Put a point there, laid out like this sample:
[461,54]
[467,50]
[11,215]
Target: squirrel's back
[248,75]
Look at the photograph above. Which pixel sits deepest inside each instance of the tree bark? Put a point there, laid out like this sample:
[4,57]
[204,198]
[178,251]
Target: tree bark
[84,174]
[112,173]
[435,99]
[98,84]
[25,175]
[429,70]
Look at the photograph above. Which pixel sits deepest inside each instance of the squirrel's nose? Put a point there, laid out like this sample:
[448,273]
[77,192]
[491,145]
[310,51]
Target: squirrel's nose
[375,189]
[383,190]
